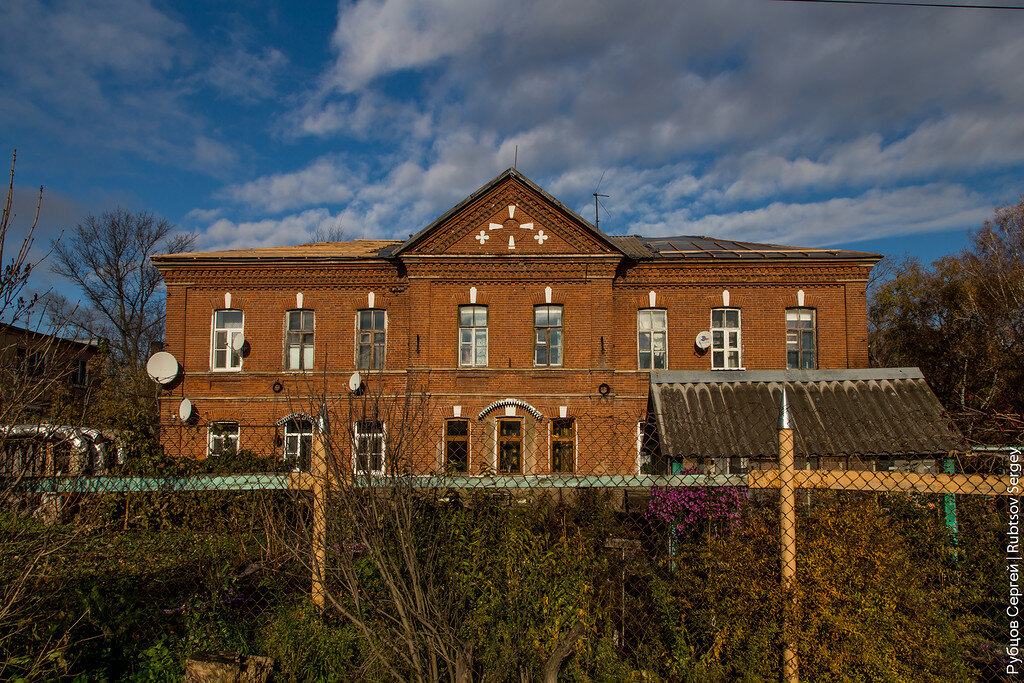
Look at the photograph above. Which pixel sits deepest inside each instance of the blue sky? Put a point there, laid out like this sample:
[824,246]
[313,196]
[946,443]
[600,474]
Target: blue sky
[890,129]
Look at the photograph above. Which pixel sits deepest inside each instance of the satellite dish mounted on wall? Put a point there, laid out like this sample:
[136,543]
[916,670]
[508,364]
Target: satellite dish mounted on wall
[186,410]
[703,341]
[238,342]
[355,383]
[162,367]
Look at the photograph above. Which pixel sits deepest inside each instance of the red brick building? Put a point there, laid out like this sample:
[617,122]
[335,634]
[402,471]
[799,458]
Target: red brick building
[532,334]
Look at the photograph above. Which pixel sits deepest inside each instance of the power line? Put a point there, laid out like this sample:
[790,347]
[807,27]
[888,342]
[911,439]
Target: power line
[909,4]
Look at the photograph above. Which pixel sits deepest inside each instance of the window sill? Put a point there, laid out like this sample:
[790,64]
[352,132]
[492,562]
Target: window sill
[225,370]
[727,369]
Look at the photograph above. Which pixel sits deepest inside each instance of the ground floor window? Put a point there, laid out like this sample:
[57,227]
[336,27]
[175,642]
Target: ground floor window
[222,439]
[456,446]
[368,449]
[298,444]
[563,445]
[510,446]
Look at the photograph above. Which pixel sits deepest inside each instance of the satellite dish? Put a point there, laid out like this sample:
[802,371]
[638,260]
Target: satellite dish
[703,341]
[185,410]
[237,342]
[355,382]
[162,367]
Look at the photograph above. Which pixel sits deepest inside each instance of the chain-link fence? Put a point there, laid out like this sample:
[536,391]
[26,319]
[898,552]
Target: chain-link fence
[382,538]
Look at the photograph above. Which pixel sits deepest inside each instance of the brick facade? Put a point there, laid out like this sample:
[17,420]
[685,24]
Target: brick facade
[466,258]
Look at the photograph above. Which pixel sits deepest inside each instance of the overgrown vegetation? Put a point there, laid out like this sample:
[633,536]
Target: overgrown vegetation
[882,591]
[961,320]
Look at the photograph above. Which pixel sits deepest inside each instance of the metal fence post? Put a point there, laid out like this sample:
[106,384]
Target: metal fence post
[787,538]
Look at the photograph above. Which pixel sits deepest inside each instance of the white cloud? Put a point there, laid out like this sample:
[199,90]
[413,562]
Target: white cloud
[325,181]
[292,229]
[875,214]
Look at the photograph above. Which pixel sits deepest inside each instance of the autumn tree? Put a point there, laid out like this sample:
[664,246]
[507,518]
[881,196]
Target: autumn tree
[960,320]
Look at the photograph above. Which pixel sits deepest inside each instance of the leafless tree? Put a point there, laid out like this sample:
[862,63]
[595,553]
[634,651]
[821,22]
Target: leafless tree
[375,523]
[31,370]
[334,233]
[107,258]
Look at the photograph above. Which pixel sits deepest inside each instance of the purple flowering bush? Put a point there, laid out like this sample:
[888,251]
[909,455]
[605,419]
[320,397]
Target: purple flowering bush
[690,509]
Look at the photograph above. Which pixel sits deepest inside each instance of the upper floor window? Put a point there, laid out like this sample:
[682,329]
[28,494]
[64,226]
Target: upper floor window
[456,445]
[652,338]
[473,336]
[725,339]
[368,447]
[563,445]
[222,438]
[299,341]
[371,338]
[801,347]
[298,443]
[80,373]
[227,324]
[547,348]
[30,364]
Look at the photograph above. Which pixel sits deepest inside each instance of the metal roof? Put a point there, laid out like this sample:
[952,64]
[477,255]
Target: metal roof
[695,247]
[882,412]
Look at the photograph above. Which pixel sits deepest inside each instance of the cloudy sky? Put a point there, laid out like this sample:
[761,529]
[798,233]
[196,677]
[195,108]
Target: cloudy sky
[890,129]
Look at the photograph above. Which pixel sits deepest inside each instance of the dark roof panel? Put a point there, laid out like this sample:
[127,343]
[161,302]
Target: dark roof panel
[694,247]
[884,412]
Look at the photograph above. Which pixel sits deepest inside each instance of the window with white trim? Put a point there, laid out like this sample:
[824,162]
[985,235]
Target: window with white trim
[298,340]
[563,445]
[227,324]
[371,338]
[725,339]
[801,346]
[652,338]
[298,443]
[80,373]
[368,447]
[222,438]
[473,336]
[547,325]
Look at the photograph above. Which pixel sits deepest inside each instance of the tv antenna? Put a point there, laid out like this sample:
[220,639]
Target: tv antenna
[597,217]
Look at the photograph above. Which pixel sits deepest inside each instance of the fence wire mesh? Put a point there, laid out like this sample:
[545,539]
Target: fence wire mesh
[383,538]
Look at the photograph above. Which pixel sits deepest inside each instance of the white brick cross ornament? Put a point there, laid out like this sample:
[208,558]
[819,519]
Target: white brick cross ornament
[540,237]
[483,236]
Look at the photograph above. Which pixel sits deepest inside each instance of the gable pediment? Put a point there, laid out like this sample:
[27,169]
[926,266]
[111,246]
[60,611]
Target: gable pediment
[509,217]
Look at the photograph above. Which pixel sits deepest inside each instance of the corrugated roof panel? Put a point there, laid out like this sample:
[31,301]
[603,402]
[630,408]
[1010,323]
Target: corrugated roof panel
[835,415]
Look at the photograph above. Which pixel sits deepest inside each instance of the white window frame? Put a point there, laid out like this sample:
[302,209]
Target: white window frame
[211,437]
[799,310]
[475,331]
[303,365]
[651,331]
[726,348]
[80,375]
[293,430]
[230,333]
[640,461]
[358,437]
[358,331]
[547,338]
